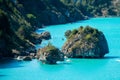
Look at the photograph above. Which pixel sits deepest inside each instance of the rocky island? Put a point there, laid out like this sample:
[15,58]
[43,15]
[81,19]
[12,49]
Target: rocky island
[50,54]
[85,42]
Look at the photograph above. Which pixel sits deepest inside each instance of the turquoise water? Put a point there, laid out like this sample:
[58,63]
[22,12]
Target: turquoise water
[77,69]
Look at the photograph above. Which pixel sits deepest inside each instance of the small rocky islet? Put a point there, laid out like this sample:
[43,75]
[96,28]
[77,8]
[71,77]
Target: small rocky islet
[50,54]
[84,42]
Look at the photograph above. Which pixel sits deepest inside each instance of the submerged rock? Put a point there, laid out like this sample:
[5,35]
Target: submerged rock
[50,54]
[86,42]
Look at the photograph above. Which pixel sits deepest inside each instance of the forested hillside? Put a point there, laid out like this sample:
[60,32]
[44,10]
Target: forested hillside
[48,12]
[20,18]
[15,32]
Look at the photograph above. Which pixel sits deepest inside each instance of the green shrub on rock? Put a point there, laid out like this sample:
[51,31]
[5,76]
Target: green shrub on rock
[74,31]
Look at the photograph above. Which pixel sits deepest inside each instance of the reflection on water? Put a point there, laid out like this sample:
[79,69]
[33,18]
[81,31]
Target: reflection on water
[2,75]
[10,63]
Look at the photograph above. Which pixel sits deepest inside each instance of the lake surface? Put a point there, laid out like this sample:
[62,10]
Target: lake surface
[78,69]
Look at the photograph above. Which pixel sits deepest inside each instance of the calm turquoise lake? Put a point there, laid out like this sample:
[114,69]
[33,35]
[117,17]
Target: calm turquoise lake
[107,68]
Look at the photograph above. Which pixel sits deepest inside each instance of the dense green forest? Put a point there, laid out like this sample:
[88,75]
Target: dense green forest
[20,18]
